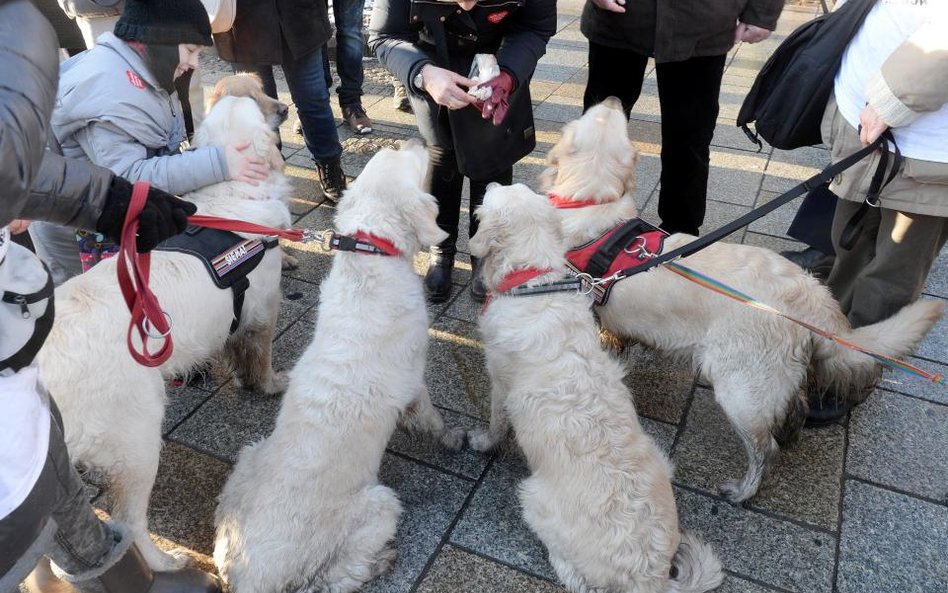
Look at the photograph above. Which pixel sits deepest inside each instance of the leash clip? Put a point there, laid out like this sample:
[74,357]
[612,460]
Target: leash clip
[589,283]
[324,238]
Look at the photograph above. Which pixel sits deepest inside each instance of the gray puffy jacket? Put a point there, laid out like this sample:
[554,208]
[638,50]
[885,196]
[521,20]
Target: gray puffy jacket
[111,111]
[36,184]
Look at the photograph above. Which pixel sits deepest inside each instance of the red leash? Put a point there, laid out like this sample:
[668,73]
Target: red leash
[148,318]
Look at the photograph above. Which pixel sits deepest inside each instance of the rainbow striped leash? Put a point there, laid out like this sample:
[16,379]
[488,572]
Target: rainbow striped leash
[724,289]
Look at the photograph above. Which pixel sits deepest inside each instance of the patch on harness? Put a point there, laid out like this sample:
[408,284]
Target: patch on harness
[227,257]
[627,245]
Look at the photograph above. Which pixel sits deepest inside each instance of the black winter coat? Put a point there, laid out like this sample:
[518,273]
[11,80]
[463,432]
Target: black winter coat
[405,34]
[263,27]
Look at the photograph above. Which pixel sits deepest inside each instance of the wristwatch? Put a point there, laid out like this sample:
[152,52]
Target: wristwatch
[419,81]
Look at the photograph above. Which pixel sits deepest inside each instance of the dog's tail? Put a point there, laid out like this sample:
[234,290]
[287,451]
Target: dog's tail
[695,567]
[848,370]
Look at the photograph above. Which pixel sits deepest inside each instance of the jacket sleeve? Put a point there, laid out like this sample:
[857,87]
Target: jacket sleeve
[28,75]
[525,43]
[762,13]
[914,78]
[113,148]
[394,41]
[69,192]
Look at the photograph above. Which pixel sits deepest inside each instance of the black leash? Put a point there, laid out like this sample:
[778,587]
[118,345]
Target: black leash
[810,184]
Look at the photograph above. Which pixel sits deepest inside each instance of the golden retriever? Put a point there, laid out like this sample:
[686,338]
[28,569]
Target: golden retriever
[599,495]
[757,362]
[113,415]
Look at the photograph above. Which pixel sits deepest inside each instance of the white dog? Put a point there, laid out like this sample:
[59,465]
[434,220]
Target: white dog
[303,510]
[112,406]
[600,495]
[757,362]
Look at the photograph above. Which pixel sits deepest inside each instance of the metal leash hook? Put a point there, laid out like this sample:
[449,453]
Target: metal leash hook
[590,283]
[149,329]
[324,238]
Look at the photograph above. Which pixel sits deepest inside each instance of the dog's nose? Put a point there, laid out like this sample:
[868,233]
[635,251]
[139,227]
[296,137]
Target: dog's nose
[283,110]
[613,103]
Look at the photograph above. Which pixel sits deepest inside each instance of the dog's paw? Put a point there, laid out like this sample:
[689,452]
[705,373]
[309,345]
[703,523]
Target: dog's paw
[453,439]
[385,561]
[170,561]
[289,262]
[479,439]
[734,491]
[277,384]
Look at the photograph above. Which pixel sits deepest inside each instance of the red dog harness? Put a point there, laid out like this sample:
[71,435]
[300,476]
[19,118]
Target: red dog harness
[627,245]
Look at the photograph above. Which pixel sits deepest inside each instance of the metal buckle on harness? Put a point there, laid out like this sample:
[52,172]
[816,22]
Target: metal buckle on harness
[148,328]
[590,283]
[638,249]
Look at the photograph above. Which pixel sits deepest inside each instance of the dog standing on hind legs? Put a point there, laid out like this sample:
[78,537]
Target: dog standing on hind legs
[302,511]
[758,363]
[599,495]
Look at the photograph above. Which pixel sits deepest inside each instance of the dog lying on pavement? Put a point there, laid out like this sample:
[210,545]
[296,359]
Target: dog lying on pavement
[113,414]
[303,509]
[599,496]
[757,362]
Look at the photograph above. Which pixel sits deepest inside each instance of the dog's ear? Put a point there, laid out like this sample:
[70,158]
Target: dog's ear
[423,215]
[629,180]
[485,239]
[214,97]
[276,158]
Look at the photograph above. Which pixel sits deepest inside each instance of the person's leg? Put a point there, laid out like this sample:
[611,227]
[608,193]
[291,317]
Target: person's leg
[904,249]
[688,94]
[478,189]
[614,73]
[350,47]
[56,245]
[306,79]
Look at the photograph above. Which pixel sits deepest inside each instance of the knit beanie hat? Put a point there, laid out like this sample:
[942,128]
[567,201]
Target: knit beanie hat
[164,22]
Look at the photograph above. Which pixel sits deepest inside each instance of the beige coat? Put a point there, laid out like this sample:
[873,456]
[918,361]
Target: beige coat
[912,81]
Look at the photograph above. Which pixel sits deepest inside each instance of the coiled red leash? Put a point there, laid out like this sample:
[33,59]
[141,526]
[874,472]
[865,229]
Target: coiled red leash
[148,318]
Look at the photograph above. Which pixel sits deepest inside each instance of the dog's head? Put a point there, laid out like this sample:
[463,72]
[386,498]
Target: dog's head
[238,120]
[249,85]
[594,159]
[386,199]
[518,229]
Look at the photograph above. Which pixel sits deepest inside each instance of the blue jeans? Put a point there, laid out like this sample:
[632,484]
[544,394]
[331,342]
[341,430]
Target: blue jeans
[306,78]
[349,51]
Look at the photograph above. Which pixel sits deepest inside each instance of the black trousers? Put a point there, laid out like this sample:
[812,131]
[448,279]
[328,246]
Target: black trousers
[688,96]
[445,182]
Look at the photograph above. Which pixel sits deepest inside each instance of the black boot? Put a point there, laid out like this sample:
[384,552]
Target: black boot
[438,278]
[332,178]
[478,288]
[812,260]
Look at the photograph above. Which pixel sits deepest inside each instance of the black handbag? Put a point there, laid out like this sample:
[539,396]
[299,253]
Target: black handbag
[789,96]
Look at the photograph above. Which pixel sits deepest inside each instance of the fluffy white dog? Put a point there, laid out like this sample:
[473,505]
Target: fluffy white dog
[303,510]
[112,406]
[600,495]
[757,362]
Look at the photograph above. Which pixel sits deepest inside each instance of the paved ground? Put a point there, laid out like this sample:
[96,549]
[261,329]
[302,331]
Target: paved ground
[858,507]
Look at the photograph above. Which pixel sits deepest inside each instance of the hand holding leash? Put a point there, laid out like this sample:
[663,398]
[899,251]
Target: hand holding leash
[162,215]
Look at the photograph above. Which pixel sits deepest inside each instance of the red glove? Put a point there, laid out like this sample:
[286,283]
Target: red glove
[496,106]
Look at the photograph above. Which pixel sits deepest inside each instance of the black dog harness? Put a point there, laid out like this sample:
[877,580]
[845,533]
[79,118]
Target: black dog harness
[227,257]
[626,246]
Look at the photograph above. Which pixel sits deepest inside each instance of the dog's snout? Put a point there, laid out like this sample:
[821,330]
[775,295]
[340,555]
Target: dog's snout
[283,110]
[613,103]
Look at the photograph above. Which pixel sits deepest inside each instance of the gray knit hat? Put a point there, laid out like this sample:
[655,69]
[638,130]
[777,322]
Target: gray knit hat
[164,22]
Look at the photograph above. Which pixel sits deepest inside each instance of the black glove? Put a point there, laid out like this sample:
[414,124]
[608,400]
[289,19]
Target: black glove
[163,216]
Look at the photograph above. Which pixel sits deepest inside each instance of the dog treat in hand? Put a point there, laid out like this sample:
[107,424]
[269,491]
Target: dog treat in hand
[483,69]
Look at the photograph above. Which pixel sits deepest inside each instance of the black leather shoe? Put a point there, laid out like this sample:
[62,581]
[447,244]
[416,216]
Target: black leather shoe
[812,260]
[332,178]
[438,278]
[826,407]
[478,288]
